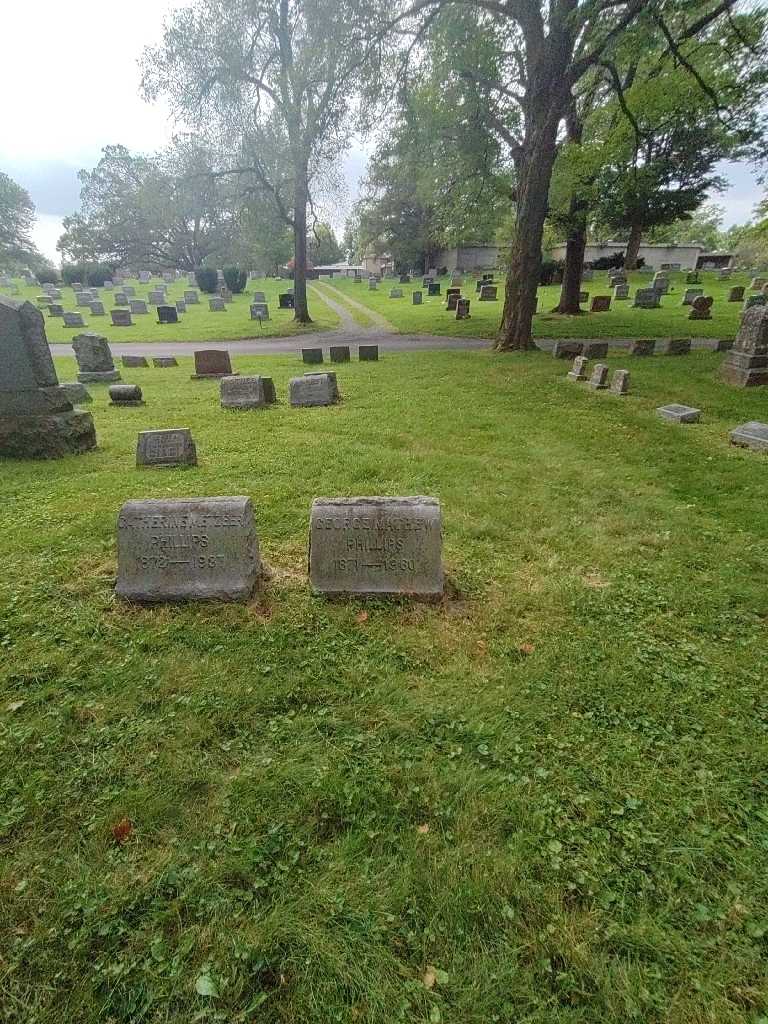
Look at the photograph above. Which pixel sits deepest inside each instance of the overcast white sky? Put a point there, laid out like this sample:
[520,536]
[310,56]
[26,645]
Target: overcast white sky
[71,81]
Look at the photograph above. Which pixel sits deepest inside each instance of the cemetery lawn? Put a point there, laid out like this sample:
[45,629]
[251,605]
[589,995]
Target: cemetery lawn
[621,321]
[197,324]
[543,800]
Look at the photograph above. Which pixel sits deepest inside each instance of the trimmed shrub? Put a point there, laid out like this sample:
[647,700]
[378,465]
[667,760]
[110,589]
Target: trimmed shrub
[549,269]
[235,279]
[92,274]
[48,275]
[207,280]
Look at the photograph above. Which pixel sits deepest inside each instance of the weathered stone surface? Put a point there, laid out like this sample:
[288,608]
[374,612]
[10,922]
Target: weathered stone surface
[134,361]
[452,301]
[312,355]
[642,347]
[121,318]
[77,393]
[417,298]
[462,309]
[756,283]
[620,291]
[259,297]
[181,306]
[749,302]
[73,319]
[313,389]
[125,395]
[395,293]
[376,545]
[579,369]
[487,293]
[600,304]
[701,308]
[56,309]
[246,392]
[193,549]
[752,435]
[340,353]
[690,294]
[120,299]
[661,285]
[96,308]
[736,294]
[212,362]
[94,359]
[679,413]
[595,349]
[619,382]
[156,297]
[285,300]
[674,347]
[167,315]
[138,307]
[746,365]
[368,353]
[192,298]
[166,448]
[259,311]
[567,349]
[37,420]
[433,288]
[599,379]
[647,298]
[164,361]
[216,304]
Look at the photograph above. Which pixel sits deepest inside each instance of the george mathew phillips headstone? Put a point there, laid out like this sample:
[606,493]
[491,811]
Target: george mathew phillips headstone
[166,448]
[376,545]
[187,549]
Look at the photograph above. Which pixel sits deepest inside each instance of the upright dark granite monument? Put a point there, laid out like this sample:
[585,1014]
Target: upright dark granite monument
[746,365]
[37,420]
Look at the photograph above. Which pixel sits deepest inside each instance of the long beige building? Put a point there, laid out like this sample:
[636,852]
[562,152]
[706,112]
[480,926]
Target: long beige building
[684,257]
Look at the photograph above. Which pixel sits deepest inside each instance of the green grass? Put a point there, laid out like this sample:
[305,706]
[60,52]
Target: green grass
[360,317]
[197,324]
[622,321]
[551,787]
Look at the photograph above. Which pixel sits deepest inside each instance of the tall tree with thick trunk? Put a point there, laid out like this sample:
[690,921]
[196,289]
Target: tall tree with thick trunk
[273,82]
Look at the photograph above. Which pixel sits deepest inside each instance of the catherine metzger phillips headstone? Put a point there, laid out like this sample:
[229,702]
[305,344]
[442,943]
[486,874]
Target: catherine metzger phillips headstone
[376,546]
[187,549]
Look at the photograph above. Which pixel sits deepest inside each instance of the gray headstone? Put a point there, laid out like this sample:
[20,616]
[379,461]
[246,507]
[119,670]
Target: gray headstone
[752,435]
[120,298]
[372,284]
[567,349]
[674,347]
[138,307]
[192,549]
[121,317]
[73,319]
[191,298]
[690,294]
[212,362]
[599,379]
[313,389]
[134,361]
[166,448]
[416,298]
[679,413]
[259,311]
[376,545]
[130,291]
[395,293]
[36,415]
[125,395]
[595,349]
[312,355]
[94,359]
[77,393]
[254,392]
[216,304]
[156,297]
[55,309]
[259,297]
[646,298]
[620,382]
[620,292]
[368,353]
[746,365]
[579,369]
[642,347]
[97,308]
[181,306]
[164,361]
[339,353]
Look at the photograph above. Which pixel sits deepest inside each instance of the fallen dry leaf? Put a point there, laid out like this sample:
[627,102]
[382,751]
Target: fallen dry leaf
[430,977]
[361,617]
[15,705]
[527,648]
[121,832]
[422,829]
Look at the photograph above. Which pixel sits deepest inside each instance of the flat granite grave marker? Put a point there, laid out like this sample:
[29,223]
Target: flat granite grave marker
[94,359]
[599,379]
[37,420]
[192,549]
[313,389]
[166,449]
[255,392]
[376,545]
[125,395]
[595,349]
[368,353]
[619,382]
[163,361]
[679,413]
[579,369]
[73,320]
[746,365]
[752,435]
[134,361]
[340,353]
[212,362]
[312,355]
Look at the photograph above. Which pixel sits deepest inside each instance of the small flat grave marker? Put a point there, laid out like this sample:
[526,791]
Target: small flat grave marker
[253,392]
[752,435]
[131,361]
[376,545]
[73,320]
[313,389]
[164,361]
[192,549]
[166,448]
[679,413]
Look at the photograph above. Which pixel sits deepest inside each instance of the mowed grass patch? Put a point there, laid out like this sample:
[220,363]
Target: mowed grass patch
[621,321]
[541,800]
[198,323]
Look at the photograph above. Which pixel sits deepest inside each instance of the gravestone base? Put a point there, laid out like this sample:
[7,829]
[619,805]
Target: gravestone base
[94,377]
[742,370]
[214,376]
[47,437]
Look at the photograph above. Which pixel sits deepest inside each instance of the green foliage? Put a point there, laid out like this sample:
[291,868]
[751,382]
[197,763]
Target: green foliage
[540,800]
[235,279]
[207,280]
[322,246]
[47,273]
[17,216]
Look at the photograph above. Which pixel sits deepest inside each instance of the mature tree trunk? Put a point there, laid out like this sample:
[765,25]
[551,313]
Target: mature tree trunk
[633,247]
[575,245]
[301,309]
